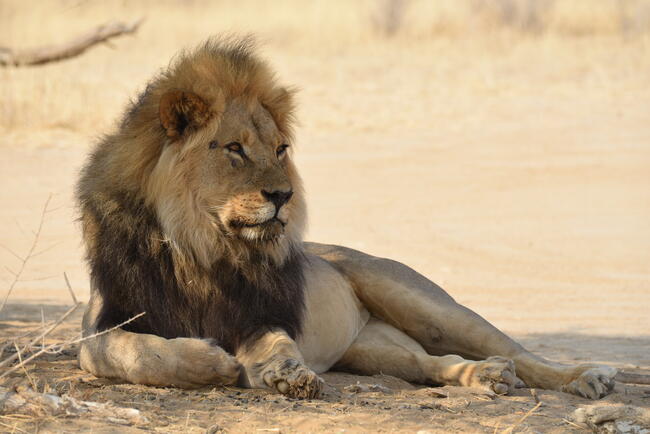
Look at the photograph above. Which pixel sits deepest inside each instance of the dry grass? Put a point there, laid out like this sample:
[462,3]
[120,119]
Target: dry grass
[24,259]
[85,94]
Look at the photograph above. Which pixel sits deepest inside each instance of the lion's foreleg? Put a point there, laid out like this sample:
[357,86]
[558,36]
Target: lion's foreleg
[153,360]
[274,361]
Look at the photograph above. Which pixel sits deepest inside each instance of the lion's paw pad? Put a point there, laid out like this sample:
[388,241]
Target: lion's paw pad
[495,374]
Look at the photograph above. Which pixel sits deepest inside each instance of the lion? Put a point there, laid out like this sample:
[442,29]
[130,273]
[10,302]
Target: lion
[193,213]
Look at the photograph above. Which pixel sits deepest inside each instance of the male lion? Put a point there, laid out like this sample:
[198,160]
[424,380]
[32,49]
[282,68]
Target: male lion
[193,212]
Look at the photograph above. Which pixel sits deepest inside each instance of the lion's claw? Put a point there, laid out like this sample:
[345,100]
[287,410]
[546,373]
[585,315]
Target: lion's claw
[593,383]
[295,380]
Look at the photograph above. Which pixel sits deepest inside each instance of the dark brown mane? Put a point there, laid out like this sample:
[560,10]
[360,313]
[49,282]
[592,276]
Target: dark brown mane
[134,264]
[135,274]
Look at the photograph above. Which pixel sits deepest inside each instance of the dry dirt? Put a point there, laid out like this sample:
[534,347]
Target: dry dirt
[396,407]
[513,170]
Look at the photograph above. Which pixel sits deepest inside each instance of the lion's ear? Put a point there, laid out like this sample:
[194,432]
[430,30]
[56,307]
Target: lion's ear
[180,110]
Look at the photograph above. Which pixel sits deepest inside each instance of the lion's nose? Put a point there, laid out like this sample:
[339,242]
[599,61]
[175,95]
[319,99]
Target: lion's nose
[278,197]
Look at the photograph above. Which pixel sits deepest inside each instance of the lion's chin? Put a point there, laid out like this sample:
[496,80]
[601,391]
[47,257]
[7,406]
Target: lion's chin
[270,231]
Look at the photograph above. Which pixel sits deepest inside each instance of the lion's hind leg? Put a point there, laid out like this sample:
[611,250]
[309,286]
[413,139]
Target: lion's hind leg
[412,303]
[382,349]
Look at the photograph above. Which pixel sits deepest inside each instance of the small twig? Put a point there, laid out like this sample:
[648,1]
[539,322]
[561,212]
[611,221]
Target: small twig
[11,341]
[67,282]
[523,418]
[15,416]
[72,342]
[12,252]
[34,341]
[51,328]
[575,425]
[43,326]
[14,428]
[22,365]
[47,249]
[49,210]
[22,231]
[29,254]
[36,279]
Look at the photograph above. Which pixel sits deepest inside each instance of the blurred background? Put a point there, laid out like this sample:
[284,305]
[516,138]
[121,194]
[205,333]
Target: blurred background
[500,147]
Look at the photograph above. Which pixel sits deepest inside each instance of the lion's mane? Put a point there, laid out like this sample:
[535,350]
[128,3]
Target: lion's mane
[190,280]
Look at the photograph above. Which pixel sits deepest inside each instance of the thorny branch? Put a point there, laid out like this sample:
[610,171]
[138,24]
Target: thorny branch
[30,254]
[59,347]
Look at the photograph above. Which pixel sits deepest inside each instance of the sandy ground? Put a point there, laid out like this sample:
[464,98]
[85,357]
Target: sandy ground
[384,404]
[517,176]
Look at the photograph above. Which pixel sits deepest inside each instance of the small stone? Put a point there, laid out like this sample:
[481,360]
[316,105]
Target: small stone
[214,429]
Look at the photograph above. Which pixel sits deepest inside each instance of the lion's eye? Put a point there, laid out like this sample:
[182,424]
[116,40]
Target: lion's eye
[235,147]
[213,144]
[282,149]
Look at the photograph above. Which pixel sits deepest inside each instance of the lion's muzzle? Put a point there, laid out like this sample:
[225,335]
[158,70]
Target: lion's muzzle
[277,198]
[258,216]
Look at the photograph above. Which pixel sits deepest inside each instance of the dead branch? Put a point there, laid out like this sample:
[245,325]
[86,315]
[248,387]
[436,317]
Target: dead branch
[72,48]
[630,378]
[617,418]
[60,347]
[25,400]
[30,253]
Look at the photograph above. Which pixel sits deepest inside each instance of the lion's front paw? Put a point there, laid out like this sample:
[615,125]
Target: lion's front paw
[181,362]
[198,362]
[495,374]
[292,378]
[593,382]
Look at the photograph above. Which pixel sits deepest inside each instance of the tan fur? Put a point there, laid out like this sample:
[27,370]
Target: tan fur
[274,361]
[365,314]
[152,360]
[404,300]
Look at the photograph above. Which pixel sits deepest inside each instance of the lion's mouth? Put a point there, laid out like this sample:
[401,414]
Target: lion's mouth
[269,230]
[242,224]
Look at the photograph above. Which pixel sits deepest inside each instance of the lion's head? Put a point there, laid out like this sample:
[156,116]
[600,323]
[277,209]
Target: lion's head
[209,144]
